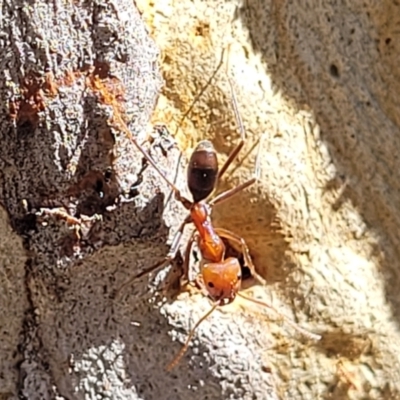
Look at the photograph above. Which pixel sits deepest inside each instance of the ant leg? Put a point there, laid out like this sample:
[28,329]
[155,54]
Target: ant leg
[224,233]
[109,99]
[176,360]
[167,260]
[306,333]
[193,238]
[177,238]
[239,121]
[186,203]
[231,192]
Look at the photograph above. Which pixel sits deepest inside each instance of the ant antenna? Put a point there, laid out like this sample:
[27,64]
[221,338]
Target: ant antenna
[183,350]
[304,332]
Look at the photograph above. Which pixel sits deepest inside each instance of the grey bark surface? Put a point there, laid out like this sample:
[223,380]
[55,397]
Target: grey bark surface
[62,333]
[318,81]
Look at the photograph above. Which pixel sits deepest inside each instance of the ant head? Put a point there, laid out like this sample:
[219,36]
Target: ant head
[222,280]
[202,171]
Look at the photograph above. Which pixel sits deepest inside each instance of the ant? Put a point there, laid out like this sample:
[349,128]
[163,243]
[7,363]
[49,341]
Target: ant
[220,277]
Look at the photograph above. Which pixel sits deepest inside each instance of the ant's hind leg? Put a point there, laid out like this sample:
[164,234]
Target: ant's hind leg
[239,241]
[186,203]
[242,131]
[239,123]
[231,192]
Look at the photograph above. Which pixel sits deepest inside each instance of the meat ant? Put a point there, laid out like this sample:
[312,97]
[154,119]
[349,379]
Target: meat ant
[220,278]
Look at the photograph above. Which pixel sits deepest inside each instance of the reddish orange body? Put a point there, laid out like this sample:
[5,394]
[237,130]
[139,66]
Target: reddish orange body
[210,244]
[221,277]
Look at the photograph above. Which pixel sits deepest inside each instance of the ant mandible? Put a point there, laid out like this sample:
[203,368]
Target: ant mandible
[220,278]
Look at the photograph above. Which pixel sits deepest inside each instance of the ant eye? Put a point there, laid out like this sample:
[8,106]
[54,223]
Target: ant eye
[210,284]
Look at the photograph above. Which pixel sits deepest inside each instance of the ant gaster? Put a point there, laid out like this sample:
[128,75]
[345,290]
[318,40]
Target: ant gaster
[220,278]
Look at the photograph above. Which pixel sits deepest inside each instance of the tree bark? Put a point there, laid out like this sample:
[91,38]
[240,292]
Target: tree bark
[318,82]
[72,73]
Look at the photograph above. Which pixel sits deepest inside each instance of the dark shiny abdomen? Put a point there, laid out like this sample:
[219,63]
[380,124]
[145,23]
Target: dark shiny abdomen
[202,171]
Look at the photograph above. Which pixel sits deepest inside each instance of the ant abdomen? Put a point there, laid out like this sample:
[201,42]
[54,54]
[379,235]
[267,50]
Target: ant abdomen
[202,171]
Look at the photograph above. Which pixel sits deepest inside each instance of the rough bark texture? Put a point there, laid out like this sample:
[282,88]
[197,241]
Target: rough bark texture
[68,71]
[319,82]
